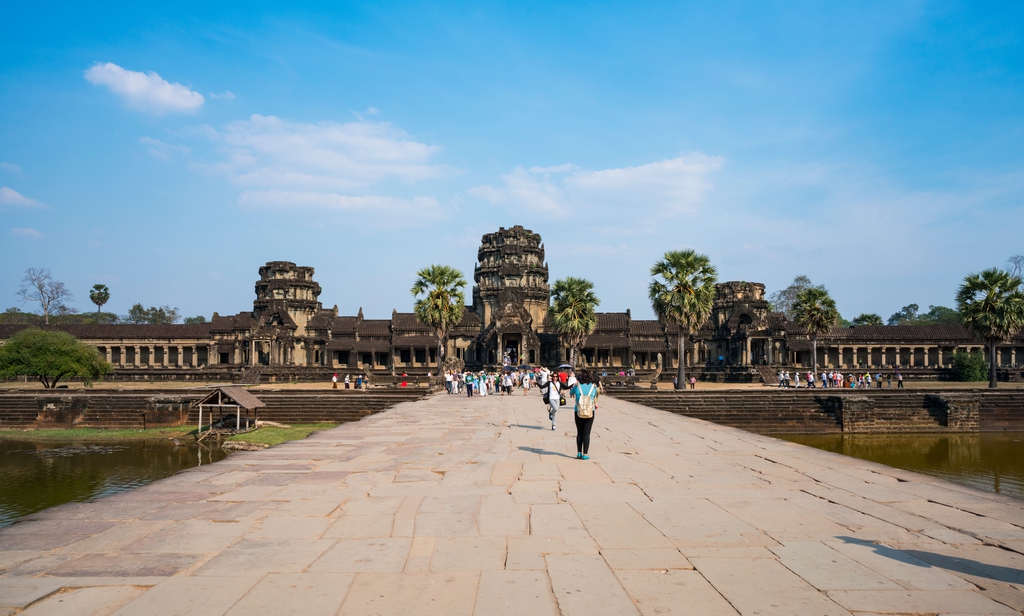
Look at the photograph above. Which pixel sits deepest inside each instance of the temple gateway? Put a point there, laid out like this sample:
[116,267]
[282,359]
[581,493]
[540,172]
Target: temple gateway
[289,335]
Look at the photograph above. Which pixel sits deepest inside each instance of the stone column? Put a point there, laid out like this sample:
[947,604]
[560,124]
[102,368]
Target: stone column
[107,352]
[195,358]
[839,357]
[896,363]
[1013,356]
[181,357]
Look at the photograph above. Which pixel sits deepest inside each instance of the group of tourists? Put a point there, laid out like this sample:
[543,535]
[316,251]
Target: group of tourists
[488,383]
[360,382]
[554,387]
[837,380]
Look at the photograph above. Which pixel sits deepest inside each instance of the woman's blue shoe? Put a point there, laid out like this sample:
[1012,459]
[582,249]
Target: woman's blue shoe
[579,456]
[584,457]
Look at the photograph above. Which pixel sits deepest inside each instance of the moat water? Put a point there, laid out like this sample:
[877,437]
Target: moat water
[987,461]
[35,475]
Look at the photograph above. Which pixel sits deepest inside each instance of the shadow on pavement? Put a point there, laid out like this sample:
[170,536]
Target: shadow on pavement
[545,452]
[956,564]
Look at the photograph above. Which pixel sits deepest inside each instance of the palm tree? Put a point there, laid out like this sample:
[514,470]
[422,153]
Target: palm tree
[572,312]
[991,306]
[815,310]
[99,295]
[683,291]
[442,303]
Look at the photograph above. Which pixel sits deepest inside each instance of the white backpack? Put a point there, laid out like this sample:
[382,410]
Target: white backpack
[585,404]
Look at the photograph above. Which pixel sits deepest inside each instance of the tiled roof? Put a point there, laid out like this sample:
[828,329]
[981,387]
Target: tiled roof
[603,341]
[649,346]
[613,320]
[646,328]
[407,321]
[414,341]
[344,324]
[375,327]
[896,333]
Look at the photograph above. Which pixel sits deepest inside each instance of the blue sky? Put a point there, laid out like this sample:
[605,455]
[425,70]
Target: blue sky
[169,152]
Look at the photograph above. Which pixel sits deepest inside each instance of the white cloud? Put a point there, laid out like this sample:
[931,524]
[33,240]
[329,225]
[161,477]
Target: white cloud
[9,196]
[227,95]
[162,150]
[271,153]
[11,167]
[298,200]
[145,91]
[671,185]
[29,233]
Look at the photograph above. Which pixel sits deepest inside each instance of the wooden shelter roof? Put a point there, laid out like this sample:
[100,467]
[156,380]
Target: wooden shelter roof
[237,395]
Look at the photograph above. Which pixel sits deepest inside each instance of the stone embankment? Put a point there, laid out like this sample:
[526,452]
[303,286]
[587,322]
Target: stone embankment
[471,506]
[173,407]
[812,411]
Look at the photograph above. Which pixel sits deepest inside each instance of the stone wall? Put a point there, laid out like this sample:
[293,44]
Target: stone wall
[813,411]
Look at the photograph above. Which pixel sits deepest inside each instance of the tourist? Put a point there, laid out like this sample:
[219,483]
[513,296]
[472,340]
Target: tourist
[334,381]
[867,380]
[810,380]
[526,384]
[549,388]
[675,382]
[693,382]
[448,382]
[359,381]
[405,381]
[788,379]
[878,379]
[469,385]
[782,379]
[571,380]
[888,380]
[899,381]
[824,380]
[348,382]
[586,404]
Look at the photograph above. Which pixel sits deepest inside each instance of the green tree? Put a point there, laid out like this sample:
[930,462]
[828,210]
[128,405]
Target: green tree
[815,310]
[867,319]
[683,292]
[991,306]
[442,303]
[99,295]
[572,312]
[50,356]
[969,366]
[196,320]
[905,316]
[140,315]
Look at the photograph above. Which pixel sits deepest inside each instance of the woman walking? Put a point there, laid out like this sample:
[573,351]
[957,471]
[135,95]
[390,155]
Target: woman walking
[586,404]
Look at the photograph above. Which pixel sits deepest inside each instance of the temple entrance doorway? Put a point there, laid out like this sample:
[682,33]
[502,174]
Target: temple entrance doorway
[510,356]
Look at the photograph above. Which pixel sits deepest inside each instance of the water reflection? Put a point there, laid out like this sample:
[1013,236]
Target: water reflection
[37,475]
[987,461]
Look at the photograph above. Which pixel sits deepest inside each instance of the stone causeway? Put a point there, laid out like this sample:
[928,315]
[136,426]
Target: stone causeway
[451,505]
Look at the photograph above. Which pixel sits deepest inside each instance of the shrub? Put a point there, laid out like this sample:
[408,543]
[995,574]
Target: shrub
[969,366]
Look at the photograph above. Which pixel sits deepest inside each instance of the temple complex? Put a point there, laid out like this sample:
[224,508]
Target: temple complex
[289,333]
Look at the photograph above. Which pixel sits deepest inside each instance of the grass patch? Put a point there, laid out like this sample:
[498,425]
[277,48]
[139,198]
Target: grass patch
[95,434]
[272,435]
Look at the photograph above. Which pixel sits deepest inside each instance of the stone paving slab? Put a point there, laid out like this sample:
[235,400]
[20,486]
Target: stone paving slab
[451,505]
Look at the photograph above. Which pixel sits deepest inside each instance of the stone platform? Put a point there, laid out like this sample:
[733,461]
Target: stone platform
[451,505]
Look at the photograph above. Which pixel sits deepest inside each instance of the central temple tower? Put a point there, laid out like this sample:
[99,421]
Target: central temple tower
[511,294]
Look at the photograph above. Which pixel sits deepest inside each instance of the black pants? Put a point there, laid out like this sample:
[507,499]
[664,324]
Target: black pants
[583,427]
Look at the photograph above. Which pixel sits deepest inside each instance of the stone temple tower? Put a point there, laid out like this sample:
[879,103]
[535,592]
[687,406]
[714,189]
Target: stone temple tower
[284,310]
[511,294]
